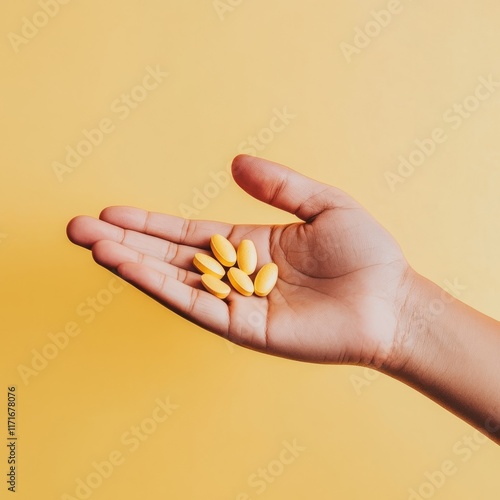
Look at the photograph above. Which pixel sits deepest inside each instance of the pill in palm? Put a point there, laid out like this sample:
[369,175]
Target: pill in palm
[223,250]
[240,281]
[208,265]
[215,286]
[246,256]
[266,279]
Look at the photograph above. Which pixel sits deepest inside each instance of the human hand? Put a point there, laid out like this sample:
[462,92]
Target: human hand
[342,283]
[345,293]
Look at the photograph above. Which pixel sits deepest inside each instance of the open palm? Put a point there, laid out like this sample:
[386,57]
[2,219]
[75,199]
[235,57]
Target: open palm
[342,278]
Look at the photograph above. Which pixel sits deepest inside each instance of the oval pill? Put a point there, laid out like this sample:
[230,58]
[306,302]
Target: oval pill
[266,279]
[215,286]
[246,256]
[223,250]
[240,281]
[208,265]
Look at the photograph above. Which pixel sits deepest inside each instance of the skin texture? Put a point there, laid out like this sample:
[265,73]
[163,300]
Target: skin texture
[345,292]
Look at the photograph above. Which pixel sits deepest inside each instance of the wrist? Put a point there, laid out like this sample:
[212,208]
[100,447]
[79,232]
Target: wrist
[449,352]
[415,339]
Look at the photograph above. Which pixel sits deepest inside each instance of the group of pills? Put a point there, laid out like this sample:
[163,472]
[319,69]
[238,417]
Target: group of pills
[239,277]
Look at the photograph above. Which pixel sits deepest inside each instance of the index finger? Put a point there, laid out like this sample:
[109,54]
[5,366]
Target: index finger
[196,233]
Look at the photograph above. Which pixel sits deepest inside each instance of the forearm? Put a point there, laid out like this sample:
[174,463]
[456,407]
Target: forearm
[451,353]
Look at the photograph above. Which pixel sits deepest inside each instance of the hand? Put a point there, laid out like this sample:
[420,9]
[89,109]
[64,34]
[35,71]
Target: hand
[345,293]
[342,283]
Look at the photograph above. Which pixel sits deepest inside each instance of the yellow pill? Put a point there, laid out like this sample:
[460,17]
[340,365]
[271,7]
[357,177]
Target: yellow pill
[215,286]
[266,279]
[223,250]
[246,256]
[240,281]
[208,265]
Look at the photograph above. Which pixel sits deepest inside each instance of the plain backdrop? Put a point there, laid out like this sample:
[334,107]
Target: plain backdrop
[350,93]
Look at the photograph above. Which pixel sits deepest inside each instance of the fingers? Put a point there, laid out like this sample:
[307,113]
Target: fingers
[198,306]
[110,254]
[86,231]
[176,229]
[286,189]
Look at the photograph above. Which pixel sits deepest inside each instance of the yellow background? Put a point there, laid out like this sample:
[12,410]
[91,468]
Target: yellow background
[225,79]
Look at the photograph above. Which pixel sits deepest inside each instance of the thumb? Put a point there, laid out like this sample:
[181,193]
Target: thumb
[286,189]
